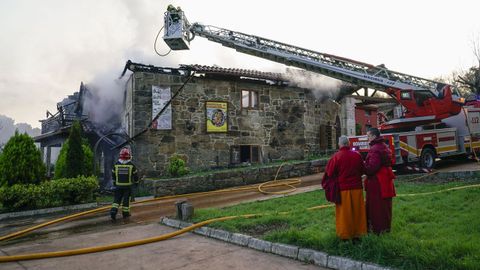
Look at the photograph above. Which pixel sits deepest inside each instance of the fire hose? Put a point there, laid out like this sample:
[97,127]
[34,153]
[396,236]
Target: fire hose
[44,255]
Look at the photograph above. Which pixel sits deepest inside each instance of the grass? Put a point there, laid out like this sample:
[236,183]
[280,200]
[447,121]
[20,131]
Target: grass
[437,231]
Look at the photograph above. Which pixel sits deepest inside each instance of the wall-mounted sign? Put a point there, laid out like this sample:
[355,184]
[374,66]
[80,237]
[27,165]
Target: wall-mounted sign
[160,96]
[216,116]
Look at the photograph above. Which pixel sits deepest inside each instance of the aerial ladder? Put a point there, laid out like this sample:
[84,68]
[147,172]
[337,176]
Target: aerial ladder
[424,101]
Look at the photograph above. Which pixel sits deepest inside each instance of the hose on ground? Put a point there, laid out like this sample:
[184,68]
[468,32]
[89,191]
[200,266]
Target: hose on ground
[277,183]
[172,234]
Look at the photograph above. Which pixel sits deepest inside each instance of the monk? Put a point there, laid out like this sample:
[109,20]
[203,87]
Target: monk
[346,166]
[379,184]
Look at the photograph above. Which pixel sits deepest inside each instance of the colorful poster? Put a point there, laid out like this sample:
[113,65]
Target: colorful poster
[160,96]
[217,116]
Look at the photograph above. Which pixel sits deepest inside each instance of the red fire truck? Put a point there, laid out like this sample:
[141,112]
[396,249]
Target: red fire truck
[435,123]
[455,136]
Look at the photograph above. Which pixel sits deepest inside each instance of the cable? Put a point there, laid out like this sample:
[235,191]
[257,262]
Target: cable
[155,44]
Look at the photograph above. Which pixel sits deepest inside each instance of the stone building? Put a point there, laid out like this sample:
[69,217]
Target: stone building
[223,117]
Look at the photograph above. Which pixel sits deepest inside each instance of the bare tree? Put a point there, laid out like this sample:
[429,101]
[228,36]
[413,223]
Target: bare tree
[470,79]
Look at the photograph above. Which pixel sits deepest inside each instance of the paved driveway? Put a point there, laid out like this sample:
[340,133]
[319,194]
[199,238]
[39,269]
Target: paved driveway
[187,251]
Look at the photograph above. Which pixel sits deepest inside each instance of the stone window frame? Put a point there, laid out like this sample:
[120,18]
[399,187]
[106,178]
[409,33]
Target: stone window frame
[249,107]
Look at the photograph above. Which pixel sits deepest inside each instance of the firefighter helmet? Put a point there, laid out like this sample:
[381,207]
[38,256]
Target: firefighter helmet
[125,154]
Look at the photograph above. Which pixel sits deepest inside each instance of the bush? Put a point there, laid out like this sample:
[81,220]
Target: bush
[49,194]
[75,160]
[60,165]
[177,166]
[21,161]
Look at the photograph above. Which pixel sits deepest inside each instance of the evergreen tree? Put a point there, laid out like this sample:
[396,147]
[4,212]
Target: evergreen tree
[60,165]
[75,158]
[21,161]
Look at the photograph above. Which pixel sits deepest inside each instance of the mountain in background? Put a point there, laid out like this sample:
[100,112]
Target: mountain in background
[8,127]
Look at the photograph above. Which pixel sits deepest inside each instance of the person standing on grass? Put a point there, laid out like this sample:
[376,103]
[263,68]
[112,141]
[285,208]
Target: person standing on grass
[379,184]
[346,166]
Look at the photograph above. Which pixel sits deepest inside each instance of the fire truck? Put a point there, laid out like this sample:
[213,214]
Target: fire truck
[435,122]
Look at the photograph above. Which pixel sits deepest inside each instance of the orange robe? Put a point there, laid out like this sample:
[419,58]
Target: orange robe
[350,215]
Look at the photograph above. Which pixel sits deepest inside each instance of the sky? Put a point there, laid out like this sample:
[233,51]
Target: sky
[48,47]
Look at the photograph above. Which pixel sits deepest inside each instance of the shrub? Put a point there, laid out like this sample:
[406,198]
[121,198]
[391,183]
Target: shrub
[177,166]
[60,165]
[49,194]
[75,157]
[21,161]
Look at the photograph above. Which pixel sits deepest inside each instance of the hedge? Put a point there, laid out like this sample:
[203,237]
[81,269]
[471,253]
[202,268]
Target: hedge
[52,193]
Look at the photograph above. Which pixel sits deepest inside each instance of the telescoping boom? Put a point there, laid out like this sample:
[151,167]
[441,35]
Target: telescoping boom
[425,100]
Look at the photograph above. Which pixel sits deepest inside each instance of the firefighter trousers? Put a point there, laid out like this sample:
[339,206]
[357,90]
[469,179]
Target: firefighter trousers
[122,195]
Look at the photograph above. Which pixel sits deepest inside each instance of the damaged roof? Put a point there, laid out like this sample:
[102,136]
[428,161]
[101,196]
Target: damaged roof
[209,71]
[247,73]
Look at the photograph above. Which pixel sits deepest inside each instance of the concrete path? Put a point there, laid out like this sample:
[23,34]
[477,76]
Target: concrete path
[187,251]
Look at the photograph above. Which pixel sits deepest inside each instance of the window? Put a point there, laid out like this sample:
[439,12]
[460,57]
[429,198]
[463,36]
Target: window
[249,99]
[368,113]
[245,153]
[326,136]
[405,95]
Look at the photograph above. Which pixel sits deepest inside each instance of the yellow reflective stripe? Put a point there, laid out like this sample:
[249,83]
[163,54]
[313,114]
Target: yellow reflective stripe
[448,148]
[408,148]
[130,169]
[115,205]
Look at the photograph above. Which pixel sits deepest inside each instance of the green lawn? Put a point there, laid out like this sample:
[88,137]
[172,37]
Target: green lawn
[437,231]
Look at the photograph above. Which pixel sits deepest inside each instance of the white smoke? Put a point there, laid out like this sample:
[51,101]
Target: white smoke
[104,101]
[322,86]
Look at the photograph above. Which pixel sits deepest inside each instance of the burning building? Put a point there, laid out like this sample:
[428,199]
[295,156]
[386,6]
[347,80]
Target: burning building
[103,135]
[222,117]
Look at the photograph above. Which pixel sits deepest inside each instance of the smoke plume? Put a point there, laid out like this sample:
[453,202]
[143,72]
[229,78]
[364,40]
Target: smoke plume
[322,87]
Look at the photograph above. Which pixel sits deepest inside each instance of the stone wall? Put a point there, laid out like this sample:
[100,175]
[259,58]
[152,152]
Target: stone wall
[229,178]
[348,116]
[285,126]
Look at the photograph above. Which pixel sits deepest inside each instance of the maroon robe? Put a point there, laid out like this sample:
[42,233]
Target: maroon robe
[379,210]
[347,166]
[350,216]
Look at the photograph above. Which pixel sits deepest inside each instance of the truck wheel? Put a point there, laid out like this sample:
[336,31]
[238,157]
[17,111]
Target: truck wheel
[427,159]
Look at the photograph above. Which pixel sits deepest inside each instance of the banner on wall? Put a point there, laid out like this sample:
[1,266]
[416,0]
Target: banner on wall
[216,116]
[160,97]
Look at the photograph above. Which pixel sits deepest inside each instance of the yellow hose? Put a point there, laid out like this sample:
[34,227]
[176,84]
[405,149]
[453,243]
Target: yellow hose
[25,231]
[438,191]
[168,235]
[72,252]
[287,183]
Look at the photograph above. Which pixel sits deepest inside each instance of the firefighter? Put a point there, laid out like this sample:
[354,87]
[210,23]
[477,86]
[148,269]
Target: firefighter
[124,175]
[174,13]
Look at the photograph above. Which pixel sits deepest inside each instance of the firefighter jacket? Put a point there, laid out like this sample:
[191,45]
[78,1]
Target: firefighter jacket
[124,173]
